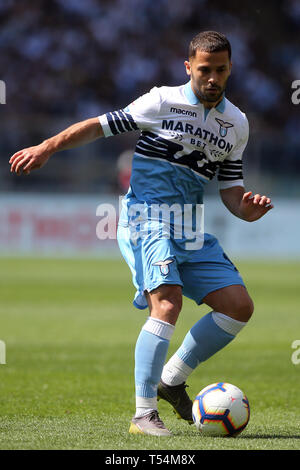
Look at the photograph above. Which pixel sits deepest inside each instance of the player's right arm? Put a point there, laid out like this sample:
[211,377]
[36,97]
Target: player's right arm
[33,158]
[137,115]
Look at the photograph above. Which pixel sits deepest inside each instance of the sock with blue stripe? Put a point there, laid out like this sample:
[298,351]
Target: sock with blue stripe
[150,354]
[208,336]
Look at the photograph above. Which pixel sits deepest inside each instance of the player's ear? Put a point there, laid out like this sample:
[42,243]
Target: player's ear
[187,67]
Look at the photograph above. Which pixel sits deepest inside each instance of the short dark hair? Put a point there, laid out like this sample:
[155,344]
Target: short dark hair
[209,41]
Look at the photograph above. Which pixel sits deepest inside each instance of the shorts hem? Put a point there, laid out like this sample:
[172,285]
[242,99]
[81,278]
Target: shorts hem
[200,302]
[155,286]
[140,307]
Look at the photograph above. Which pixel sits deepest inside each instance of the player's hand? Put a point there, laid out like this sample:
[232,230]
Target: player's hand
[254,207]
[31,158]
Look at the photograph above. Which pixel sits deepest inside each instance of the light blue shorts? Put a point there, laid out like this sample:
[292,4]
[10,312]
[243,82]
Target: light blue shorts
[156,261]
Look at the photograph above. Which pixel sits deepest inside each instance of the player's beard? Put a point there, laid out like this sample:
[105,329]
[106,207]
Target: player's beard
[211,98]
[204,95]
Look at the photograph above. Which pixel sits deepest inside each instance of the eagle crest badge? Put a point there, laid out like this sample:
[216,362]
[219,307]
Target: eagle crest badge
[164,266]
[223,127]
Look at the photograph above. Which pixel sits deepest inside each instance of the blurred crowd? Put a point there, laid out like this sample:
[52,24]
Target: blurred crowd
[67,60]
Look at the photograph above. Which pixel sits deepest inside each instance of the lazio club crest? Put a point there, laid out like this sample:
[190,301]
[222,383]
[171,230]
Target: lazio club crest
[223,127]
[164,266]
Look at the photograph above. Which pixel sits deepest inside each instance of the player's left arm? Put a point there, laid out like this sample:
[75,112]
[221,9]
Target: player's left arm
[241,203]
[244,204]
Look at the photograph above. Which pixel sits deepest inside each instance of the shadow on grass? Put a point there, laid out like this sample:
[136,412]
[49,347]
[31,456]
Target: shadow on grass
[268,436]
[241,436]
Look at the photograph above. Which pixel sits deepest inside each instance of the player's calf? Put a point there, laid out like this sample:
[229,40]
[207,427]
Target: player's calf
[209,335]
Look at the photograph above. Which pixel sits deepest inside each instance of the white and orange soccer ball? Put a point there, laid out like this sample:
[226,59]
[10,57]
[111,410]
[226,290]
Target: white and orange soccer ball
[221,409]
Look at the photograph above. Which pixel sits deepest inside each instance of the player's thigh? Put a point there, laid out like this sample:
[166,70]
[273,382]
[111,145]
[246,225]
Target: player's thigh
[233,301]
[204,281]
[153,263]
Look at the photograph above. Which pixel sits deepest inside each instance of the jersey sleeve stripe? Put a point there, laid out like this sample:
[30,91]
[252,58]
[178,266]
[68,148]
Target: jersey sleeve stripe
[233,163]
[231,167]
[125,121]
[230,170]
[132,122]
[238,176]
[118,122]
[111,124]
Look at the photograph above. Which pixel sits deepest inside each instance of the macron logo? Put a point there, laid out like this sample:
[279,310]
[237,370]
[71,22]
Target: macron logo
[183,111]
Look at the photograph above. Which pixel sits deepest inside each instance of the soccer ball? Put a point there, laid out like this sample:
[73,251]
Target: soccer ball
[221,409]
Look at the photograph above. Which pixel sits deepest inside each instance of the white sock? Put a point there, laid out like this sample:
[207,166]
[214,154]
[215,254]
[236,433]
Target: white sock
[228,324]
[145,405]
[161,332]
[175,372]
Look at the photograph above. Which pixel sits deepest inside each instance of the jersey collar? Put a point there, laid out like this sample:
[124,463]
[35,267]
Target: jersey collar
[193,99]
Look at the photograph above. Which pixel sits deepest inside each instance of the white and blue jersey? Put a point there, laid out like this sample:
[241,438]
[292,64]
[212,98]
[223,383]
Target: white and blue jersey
[182,146]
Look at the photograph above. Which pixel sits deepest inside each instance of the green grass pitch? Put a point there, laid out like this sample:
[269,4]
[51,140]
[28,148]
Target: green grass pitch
[70,330]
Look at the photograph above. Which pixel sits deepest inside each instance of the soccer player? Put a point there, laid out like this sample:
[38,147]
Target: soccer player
[188,134]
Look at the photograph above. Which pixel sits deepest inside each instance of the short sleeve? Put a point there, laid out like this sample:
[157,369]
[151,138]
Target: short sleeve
[139,115]
[231,169]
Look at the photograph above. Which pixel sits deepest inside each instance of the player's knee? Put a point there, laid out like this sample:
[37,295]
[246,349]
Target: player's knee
[244,309]
[169,310]
[165,303]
